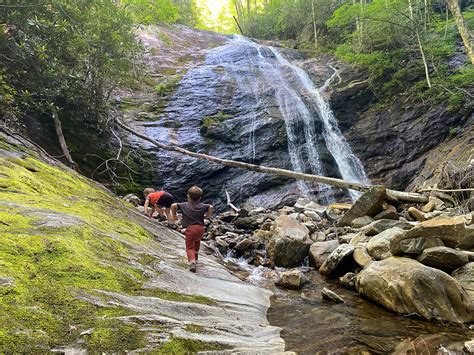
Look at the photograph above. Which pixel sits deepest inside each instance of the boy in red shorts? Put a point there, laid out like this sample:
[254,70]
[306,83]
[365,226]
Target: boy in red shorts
[193,214]
[160,201]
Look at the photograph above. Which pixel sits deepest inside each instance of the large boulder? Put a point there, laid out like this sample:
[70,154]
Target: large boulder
[319,251]
[290,242]
[378,247]
[443,258]
[406,286]
[451,230]
[465,276]
[369,204]
[292,279]
[339,261]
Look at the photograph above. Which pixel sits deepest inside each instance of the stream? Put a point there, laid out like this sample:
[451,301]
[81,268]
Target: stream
[312,325]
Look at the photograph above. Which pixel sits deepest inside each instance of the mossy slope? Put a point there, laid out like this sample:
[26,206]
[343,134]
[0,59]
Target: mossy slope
[63,237]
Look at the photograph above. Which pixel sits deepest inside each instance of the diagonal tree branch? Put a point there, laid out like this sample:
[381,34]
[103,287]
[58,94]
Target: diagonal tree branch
[402,196]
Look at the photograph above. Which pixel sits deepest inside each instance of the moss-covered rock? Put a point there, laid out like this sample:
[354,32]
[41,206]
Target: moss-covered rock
[81,269]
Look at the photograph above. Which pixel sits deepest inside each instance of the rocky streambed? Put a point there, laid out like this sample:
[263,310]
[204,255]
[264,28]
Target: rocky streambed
[376,276]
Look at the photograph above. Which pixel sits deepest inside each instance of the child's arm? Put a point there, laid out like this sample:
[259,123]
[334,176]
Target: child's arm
[174,208]
[209,212]
[145,207]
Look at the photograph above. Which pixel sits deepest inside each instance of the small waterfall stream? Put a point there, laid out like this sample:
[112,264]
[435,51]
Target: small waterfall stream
[349,165]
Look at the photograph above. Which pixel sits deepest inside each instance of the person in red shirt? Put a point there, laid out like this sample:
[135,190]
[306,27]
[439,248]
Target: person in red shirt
[160,201]
[193,214]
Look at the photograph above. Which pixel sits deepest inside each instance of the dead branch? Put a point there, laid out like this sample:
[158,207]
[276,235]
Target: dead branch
[62,141]
[229,203]
[399,195]
[445,190]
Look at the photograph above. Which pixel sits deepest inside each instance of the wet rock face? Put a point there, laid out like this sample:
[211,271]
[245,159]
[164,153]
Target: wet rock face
[392,141]
[406,286]
[233,103]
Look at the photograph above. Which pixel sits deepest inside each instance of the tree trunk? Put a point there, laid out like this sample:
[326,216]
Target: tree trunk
[314,25]
[238,25]
[466,35]
[238,9]
[425,64]
[402,196]
[62,141]
[410,8]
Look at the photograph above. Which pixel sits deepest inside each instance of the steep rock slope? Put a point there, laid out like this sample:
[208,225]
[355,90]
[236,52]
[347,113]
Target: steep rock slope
[80,269]
[404,144]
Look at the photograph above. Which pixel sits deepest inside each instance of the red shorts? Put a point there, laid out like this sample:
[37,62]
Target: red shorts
[193,235]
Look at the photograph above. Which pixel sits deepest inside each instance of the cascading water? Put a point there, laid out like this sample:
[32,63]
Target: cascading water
[246,63]
[262,109]
[350,167]
[296,114]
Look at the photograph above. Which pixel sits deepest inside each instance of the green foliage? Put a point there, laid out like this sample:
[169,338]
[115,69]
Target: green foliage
[215,119]
[149,12]
[152,12]
[453,131]
[189,346]
[70,54]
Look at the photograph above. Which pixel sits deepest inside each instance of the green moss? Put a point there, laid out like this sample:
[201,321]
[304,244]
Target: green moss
[114,335]
[11,220]
[215,119]
[147,259]
[195,328]
[186,346]
[51,266]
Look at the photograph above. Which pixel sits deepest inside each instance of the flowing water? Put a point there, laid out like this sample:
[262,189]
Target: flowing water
[349,165]
[357,326]
[291,85]
[312,325]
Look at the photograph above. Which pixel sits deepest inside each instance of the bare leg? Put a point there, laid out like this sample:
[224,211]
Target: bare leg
[168,214]
[160,211]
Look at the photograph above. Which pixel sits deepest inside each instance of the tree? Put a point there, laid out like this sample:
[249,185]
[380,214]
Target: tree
[466,35]
[64,59]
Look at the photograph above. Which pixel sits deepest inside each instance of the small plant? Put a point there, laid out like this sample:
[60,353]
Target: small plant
[216,119]
[454,131]
[160,89]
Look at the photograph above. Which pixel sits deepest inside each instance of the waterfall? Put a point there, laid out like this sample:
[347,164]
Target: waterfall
[258,70]
[350,167]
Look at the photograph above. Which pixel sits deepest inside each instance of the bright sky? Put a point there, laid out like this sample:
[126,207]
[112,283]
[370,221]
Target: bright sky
[212,11]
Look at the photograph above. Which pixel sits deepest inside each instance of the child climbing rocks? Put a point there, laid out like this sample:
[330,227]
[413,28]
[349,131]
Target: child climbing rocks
[160,201]
[193,214]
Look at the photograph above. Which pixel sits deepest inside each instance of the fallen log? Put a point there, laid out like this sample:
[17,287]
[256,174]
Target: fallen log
[399,195]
